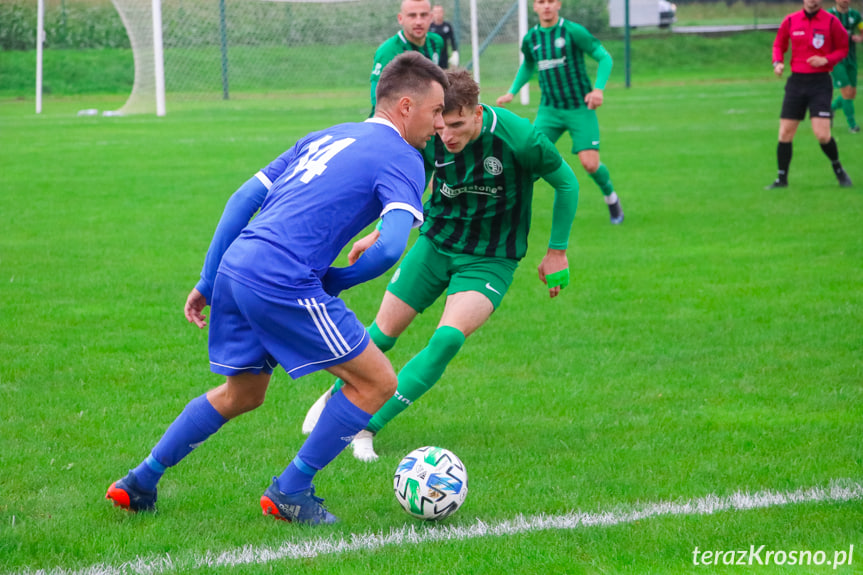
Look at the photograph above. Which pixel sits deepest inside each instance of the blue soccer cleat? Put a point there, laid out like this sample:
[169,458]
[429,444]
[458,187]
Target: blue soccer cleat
[126,493]
[302,507]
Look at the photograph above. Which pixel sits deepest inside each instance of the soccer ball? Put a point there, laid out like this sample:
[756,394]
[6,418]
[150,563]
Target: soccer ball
[430,483]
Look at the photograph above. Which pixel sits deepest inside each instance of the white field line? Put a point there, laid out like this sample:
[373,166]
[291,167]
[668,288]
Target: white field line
[838,491]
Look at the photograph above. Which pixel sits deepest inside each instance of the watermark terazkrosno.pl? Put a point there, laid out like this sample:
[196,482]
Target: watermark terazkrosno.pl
[761,555]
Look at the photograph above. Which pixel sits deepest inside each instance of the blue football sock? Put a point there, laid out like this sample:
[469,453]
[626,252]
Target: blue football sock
[339,422]
[198,421]
[148,473]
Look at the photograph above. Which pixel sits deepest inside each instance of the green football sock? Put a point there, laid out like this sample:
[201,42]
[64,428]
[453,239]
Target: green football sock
[380,339]
[420,374]
[603,180]
[848,108]
[837,103]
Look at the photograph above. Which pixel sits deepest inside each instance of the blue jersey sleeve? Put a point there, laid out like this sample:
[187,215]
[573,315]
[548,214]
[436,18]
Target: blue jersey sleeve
[401,185]
[277,167]
[385,252]
[240,208]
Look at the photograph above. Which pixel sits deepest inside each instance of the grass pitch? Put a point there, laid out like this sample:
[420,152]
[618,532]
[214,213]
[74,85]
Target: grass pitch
[710,345]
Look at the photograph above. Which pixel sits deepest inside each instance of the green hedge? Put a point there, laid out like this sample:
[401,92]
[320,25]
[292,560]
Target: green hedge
[70,26]
[96,24]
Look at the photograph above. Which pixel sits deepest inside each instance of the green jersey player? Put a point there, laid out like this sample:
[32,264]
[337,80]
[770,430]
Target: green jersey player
[483,166]
[415,18]
[556,47]
[845,72]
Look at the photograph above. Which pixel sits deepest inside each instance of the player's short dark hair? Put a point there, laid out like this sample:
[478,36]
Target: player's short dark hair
[463,90]
[408,73]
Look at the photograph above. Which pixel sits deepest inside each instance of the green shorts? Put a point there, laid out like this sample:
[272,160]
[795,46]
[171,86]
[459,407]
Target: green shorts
[845,74]
[426,271]
[581,124]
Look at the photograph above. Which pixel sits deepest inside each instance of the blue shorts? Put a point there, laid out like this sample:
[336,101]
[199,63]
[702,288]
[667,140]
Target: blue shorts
[254,332]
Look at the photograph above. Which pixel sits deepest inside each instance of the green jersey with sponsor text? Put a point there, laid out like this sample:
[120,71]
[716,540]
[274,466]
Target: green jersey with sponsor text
[399,44]
[481,197]
[851,21]
[558,53]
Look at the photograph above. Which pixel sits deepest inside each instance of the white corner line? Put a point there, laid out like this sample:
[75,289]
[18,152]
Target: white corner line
[838,491]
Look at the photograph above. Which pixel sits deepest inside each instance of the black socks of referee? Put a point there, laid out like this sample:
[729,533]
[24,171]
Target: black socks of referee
[783,157]
[832,152]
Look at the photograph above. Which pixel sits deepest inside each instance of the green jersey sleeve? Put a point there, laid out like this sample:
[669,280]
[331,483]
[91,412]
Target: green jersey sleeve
[603,70]
[565,204]
[588,44]
[534,150]
[540,155]
[522,77]
[583,39]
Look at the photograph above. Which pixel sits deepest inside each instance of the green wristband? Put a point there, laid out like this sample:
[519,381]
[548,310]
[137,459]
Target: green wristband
[556,279]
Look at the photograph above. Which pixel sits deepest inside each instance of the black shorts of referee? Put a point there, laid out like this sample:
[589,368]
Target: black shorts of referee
[808,91]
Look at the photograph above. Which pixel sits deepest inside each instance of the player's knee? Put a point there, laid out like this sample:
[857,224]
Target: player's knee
[232,401]
[249,400]
[377,387]
[590,164]
[387,384]
[255,402]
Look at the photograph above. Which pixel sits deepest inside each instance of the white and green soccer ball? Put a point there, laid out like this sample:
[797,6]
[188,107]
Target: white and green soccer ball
[430,483]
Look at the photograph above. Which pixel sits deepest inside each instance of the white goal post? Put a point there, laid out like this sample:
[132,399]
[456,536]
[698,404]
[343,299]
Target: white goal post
[143,24]
[40,43]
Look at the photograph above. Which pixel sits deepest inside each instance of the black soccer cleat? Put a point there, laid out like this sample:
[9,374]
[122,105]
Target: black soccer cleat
[616,213]
[777,183]
[843,178]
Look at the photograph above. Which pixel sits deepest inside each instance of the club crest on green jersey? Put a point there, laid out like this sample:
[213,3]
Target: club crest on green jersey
[493,166]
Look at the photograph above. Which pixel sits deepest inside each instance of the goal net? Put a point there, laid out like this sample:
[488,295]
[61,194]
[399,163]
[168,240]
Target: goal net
[226,49]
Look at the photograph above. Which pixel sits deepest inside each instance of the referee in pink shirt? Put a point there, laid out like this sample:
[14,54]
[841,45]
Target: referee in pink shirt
[818,42]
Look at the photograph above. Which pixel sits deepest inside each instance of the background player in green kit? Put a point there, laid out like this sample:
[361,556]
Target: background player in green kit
[484,163]
[845,72]
[415,18]
[557,48]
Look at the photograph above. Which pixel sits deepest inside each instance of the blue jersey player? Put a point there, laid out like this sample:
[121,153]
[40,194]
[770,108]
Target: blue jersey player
[273,294]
